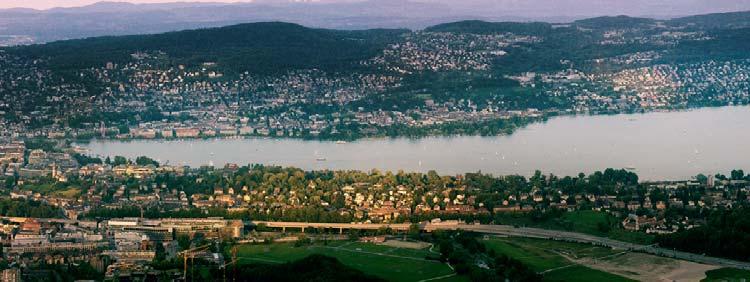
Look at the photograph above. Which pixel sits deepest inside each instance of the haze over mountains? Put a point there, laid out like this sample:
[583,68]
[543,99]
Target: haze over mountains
[24,26]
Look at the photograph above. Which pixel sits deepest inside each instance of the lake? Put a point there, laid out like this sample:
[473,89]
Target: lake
[658,146]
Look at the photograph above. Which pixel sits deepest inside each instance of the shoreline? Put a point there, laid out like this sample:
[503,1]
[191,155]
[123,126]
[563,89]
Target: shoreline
[544,118]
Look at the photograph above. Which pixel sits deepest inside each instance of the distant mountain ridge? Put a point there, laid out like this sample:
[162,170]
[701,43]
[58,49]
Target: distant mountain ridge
[718,20]
[735,20]
[482,27]
[614,22]
[117,18]
[273,47]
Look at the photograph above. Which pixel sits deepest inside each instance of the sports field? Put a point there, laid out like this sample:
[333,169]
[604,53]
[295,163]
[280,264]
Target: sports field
[563,261]
[553,258]
[387,262]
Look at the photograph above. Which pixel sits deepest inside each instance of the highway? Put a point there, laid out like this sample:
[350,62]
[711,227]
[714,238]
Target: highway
[520,232]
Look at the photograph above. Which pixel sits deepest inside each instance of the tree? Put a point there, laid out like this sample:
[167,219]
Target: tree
[738,174]
[123,129]
[144,161]
[10,182]
[183,240]
[354,234]
[120,160]
[302,241]
[199,239]
[703,179]
[414,231]
[160,251]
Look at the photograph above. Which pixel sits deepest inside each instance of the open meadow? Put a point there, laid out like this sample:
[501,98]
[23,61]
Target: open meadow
[557,261]
[387,262]
[563,261]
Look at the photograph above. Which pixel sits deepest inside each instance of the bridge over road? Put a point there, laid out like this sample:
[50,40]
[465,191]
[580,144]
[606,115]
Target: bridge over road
[508,230]
[340,226]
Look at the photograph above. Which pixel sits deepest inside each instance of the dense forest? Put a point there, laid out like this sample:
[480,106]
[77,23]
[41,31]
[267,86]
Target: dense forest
[259,48]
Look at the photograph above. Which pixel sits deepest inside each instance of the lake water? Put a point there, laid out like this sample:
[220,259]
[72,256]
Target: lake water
[659,146]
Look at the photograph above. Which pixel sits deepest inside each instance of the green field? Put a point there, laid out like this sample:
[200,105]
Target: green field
[588,222]
[727,274]
[393,264]
[549,257]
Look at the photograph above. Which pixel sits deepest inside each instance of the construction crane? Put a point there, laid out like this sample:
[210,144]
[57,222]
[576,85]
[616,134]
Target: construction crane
[191,253]
[233,263]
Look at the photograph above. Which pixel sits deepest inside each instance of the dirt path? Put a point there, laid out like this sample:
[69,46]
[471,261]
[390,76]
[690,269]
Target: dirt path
[649,268]
[688,271]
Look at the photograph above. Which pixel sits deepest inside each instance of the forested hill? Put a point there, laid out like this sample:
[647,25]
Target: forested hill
[615,22]
[482,27]
[715,21]
[264,48]
[276,47]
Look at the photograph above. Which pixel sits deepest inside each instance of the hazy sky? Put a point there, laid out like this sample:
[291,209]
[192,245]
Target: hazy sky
[46,4]
[561,7]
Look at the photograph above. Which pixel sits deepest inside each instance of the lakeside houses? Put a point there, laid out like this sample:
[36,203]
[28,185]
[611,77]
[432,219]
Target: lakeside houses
[118,245]
[187,132]
[363,201]
[234,191]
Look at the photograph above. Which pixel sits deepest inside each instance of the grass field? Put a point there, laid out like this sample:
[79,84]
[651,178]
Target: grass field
[587,222]
[393,264]
[549,257]
[727,274]
[70,193]
[542,255]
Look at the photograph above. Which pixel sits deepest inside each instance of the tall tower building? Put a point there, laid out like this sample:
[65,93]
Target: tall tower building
[102,129]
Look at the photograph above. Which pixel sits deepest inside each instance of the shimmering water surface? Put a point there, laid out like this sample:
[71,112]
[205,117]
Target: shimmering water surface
[658,146]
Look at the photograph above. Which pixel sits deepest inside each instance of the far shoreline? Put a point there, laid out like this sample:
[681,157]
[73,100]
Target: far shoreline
[652,144]
[538,120]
